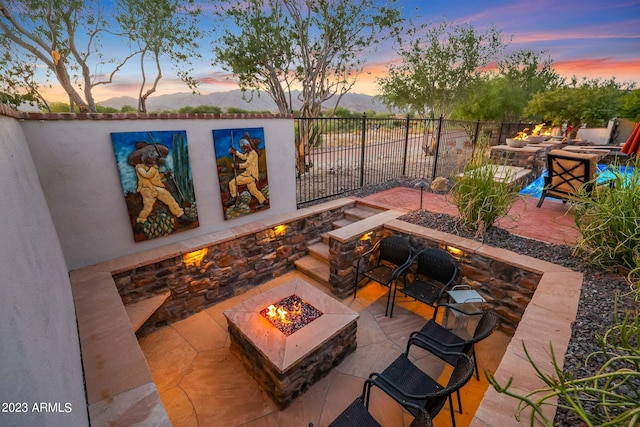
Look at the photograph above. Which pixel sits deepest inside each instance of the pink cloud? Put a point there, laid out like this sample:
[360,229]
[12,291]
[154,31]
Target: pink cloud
[606,68]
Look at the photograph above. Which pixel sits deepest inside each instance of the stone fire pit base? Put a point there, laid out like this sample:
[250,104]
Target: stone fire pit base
[286,366]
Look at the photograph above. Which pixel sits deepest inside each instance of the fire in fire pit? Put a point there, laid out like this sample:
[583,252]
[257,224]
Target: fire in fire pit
[290,314]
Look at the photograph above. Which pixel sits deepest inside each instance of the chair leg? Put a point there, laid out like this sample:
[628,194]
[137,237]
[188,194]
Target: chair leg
[459,401]
[355,288]
[393,299]
[541,200]
[453,412]
[475,362]
[391,289]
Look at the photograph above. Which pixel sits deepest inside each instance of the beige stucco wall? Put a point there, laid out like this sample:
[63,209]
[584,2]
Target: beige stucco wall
[39,350]
[80,180]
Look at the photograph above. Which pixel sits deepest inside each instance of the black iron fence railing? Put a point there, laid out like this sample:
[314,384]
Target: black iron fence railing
[345,154]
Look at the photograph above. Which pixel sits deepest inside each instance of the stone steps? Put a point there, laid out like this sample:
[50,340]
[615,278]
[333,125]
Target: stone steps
[319,251]
[361,212]
[316,264]
[140,311]
[314,268]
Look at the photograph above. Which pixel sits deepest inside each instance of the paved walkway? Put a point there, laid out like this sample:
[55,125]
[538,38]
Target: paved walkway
[552,222]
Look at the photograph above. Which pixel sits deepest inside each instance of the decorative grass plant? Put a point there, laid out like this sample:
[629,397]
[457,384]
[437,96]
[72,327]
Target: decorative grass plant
[480,199]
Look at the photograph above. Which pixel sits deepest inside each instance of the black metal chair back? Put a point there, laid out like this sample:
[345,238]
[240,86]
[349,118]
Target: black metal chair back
[437,264]
[395,250]
[435,272]
[393,254]
[462,373]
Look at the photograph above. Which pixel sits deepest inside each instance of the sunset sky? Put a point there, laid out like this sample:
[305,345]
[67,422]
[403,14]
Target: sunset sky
[586,38]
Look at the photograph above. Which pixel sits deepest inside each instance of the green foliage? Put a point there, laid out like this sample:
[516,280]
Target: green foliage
[103,109]
[593,102]
[236,110]
[18,77]
[201,109]
[609,223]
[630,106]
[503,96]
[59,107]
[439,65]
[66,37]
[480,200]
[128,109]
[344,113]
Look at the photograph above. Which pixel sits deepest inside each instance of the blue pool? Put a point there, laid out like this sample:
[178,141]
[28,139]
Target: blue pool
[604,173]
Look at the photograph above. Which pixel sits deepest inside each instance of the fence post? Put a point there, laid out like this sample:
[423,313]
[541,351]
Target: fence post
[406,145]
[475,138]
[500,133]
[364,136]
[435,158]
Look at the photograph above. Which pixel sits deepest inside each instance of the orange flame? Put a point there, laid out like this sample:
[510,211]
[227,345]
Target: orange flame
[283,315]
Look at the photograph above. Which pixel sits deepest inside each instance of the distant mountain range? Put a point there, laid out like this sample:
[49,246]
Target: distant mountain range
[355,102]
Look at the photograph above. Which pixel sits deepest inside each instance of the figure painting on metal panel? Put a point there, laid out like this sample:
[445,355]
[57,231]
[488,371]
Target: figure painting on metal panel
[156,181]
[242,170]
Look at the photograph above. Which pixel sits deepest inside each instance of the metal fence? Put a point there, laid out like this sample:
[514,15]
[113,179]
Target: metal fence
[345,154]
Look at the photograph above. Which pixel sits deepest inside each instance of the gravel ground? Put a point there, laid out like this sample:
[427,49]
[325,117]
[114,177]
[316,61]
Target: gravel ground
[599,290]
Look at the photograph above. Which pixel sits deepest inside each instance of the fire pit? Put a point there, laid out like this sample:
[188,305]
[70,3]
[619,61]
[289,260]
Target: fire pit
[290,314]
[286,363]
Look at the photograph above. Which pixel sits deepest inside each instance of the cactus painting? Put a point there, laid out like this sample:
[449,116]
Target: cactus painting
[241,160]
[156,180]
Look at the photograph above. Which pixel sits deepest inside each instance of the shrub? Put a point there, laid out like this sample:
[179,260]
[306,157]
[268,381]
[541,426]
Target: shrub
[480,200]
[609,223]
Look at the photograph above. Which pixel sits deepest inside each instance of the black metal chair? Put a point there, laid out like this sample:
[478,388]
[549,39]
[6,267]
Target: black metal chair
[357,414]
[441,341]
[435,272]
[390,255]
[410,386]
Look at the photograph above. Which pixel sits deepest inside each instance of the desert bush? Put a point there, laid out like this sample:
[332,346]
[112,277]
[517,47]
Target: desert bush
[481,200]
[608,221]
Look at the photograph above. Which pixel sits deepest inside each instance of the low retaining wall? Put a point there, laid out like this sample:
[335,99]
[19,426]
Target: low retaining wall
[120,387]
[226,264]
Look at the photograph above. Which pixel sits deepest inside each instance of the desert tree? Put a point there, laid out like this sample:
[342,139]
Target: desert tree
[587,101]
[316,46]
[158,29]
[65,35]
[503,94]
[438,64]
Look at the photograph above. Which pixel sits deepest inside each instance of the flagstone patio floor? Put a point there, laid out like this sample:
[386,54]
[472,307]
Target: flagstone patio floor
[202,384]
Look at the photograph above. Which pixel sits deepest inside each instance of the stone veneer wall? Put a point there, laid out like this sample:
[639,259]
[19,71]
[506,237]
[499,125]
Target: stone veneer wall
[533,158]
[229,268]
[507,288]
[284,387]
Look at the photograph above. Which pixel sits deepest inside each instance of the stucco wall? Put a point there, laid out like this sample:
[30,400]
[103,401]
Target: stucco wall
[79,177]
[39,350]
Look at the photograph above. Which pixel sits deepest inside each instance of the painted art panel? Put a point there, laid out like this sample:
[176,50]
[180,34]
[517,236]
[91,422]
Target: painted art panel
[157,184]
[241,159]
